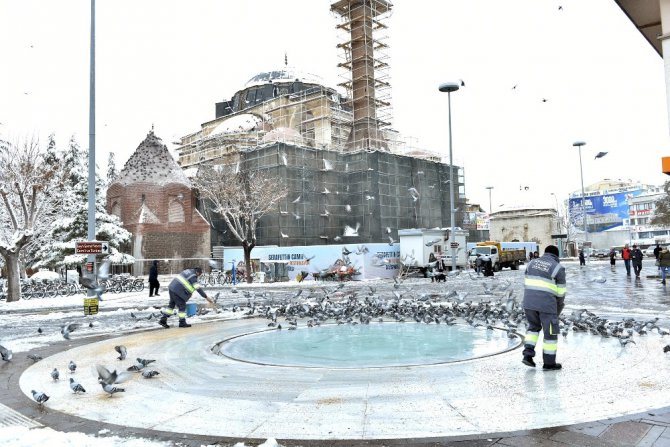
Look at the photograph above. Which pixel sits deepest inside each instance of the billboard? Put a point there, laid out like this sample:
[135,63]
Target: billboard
[603,211]
[369,261]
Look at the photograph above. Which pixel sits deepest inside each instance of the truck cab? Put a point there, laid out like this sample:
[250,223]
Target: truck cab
[500,258]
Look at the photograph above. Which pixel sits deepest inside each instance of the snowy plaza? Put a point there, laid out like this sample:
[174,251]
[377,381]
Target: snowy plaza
[201,395]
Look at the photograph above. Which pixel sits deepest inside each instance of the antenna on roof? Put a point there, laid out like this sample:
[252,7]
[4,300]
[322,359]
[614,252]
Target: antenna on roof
[285,59]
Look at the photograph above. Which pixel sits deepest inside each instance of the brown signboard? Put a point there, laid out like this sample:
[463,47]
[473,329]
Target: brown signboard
[91,247]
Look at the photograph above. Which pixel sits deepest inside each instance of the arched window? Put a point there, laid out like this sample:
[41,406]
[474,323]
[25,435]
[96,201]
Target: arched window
[176,211]
[116,209]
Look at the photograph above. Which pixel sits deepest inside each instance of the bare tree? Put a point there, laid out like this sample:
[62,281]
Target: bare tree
[662,211]
[26,176]
[241,198]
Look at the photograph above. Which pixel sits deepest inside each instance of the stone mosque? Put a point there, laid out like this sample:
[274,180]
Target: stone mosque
[333,146]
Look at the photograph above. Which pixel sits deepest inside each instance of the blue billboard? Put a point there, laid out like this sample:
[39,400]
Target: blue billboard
[603,211]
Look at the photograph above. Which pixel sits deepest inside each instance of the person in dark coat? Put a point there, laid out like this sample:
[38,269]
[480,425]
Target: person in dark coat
[582,259]
[180,290]
[154,285]
[543,301]
[636,258]
[612,258]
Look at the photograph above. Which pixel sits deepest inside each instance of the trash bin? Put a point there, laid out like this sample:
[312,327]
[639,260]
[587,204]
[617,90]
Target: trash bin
[191,309]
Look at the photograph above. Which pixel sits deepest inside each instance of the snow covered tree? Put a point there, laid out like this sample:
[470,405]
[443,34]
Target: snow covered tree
[25,177]
[662,211]
[70,218]
[112,173]
[241,198]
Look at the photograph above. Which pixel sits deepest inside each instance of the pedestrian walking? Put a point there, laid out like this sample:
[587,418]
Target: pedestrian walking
[664,263]
[180,290]
[154,285]
[582,259]
[657,252]
[612,258]
[543,301]
[478,264]
[625,255]
[636,257]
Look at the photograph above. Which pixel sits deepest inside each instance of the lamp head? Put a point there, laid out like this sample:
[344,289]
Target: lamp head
[579,143]
[449,87]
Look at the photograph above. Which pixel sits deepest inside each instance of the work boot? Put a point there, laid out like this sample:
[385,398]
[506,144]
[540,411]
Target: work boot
[163,322]
[663,282]
[553,367]
[528,361]
[183,323]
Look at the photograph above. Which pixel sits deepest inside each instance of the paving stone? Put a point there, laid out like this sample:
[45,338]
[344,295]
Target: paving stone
[626,433]
[652,436]
[530,441]
[578,439]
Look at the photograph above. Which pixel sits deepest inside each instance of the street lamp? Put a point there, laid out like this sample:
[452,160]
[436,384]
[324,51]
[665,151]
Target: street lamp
[451,87]
[579,145]
[559,226]
[490,206]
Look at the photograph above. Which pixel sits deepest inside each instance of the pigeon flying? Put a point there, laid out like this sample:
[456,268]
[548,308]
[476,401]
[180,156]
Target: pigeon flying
[122,352]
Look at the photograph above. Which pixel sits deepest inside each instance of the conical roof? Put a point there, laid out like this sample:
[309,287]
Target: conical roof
[152,163]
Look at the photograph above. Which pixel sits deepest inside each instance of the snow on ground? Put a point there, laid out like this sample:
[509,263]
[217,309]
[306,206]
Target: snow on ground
[26,437]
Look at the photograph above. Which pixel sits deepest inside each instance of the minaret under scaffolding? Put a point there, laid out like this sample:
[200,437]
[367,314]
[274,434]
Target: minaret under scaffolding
[366,64]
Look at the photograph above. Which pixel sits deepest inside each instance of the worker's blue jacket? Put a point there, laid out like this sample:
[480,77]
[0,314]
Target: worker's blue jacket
[544,289]
[185,284]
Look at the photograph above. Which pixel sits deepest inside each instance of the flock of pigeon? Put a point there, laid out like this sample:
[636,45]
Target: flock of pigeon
[108,379]
[494,306]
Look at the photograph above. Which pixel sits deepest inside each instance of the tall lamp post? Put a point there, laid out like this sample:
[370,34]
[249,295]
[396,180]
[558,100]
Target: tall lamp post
[490,206]
[579,145]
[449,87]
[559,226]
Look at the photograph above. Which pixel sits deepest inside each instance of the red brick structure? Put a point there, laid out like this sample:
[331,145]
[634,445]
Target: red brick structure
[154,200]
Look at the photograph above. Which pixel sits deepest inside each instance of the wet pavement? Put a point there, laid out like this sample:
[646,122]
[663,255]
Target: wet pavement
[606,395]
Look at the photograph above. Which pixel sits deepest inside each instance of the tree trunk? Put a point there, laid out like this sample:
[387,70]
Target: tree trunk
[13,276]
[247,262]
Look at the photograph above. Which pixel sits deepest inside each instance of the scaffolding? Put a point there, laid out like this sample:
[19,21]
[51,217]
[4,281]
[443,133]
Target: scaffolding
[365,65]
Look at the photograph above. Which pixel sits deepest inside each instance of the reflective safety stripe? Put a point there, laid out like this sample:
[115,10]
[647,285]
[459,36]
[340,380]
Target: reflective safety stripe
[531,338]
[549,347]
[181,315]
[537,283]
[167,311]
[187,285]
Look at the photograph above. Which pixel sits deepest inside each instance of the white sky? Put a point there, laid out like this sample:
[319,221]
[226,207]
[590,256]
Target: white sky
[167,62]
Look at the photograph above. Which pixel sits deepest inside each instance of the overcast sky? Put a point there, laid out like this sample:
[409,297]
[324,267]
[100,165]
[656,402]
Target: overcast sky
[166,62]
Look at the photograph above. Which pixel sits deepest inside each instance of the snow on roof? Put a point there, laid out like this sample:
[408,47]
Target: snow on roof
[152,163]
[285,74]
[241,123]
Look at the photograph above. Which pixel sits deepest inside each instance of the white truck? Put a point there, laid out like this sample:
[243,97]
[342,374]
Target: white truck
[421,247]
[499,256]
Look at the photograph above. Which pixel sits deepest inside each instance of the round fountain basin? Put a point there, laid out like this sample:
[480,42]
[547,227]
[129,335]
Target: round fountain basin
[376,345]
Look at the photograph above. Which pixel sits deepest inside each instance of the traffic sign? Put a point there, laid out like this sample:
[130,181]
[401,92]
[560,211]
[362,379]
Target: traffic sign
[91,248]
[454,245]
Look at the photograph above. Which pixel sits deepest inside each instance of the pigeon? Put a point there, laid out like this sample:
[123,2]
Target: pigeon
[39,330]
[391,241]
[76,387]
[284,159]
[5,353]
[93,283]
[136,367]
[345,251]
[109,378]
[144,362]
[72,366]
[414,193]
[55,374]
[296,200]
[66,329]
[39,397]
[111,389]
[327,165]
[351,232]
[666,348]
[284,235]
[34,357]
[149,373]
[625,341]
[347,208]
[216,265]
[122,352]
[433,242]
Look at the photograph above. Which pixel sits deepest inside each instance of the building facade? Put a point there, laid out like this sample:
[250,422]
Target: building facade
[154,199]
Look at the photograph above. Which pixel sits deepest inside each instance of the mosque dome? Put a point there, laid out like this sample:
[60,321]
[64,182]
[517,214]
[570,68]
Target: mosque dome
[285,74]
